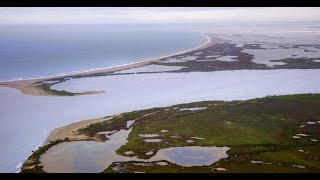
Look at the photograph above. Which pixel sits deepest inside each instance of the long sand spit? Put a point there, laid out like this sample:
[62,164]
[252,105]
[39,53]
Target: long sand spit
[30,86]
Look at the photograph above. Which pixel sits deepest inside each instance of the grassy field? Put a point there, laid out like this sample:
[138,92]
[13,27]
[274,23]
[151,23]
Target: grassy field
[46,87]
[260,130]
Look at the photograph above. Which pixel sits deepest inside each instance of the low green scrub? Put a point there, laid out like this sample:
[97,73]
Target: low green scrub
[46,87]
[251,128]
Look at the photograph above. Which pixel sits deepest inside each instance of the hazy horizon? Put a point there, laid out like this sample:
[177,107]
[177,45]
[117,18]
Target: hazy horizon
[153,15]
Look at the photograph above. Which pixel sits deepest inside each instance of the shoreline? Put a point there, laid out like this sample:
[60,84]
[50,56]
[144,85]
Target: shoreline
[70,130]
[29,86]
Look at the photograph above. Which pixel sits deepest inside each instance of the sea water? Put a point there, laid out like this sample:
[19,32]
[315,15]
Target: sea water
[29,51]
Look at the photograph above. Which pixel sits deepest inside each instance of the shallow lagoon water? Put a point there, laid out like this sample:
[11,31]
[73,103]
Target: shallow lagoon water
[264,56]
[93,157]
[85,156]
[26,120]
[188,156]
[89,157]
[193,109]
[152,140]
[227,58]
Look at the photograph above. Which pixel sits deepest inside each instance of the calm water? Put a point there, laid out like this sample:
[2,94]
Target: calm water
[189,156]
[85,156]
[94,157]
[43,50]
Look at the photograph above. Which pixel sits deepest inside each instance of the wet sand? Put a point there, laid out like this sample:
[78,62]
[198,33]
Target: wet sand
[70,130]
[31,86]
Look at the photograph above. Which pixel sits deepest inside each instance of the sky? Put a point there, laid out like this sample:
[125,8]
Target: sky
[105,15]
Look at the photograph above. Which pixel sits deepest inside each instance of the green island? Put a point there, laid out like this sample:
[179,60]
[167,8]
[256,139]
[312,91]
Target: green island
[270,134]
[46,88]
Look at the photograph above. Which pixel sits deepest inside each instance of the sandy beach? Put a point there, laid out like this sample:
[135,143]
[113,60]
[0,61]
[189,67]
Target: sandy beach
[70,130]
[31,86]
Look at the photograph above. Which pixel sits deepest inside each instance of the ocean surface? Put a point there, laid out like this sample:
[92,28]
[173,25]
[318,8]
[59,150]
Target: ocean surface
[43,50]
[26,120]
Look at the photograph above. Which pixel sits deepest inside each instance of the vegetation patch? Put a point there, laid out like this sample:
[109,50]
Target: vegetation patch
[252,129]
[46,88]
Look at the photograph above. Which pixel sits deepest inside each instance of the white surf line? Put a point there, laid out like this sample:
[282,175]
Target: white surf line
[208,41]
